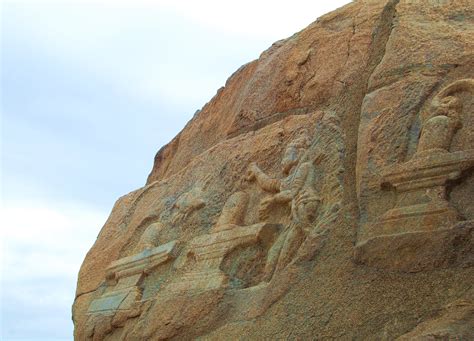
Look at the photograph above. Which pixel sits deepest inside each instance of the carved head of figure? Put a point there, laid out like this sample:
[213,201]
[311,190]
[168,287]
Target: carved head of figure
[447,103]
[150,238]
[449,106]
[294,151]
[443,119]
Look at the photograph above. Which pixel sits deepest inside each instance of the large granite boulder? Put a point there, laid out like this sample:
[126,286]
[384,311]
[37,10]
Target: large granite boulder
[326,192]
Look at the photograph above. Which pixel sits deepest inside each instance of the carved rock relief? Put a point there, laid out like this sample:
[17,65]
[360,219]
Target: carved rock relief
[413,48]
[422,218]
[190,202]
[122,296]
[236,254]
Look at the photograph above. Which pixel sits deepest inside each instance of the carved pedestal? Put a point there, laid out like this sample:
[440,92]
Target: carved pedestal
[206,253]
[422,218]
[124,277]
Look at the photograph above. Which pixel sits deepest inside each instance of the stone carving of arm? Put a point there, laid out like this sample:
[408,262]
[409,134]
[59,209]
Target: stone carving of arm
[285,196]
[282,197]
[264,181]
[296,186]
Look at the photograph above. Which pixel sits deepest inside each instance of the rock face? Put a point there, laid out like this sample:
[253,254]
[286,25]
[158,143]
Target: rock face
[327,191]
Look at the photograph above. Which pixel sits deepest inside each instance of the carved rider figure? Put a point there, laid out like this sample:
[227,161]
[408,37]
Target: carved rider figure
[283,190]
[296,190]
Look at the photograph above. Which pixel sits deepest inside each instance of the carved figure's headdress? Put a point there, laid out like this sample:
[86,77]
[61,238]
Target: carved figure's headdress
[445,103]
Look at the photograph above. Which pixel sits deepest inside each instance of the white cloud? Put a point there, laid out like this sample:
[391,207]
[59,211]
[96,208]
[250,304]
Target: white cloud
[104,36]
[44,245]
[264,18]
[276,19]
[56,236]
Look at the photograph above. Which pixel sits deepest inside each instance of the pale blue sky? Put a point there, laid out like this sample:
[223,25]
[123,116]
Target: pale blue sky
[91,90]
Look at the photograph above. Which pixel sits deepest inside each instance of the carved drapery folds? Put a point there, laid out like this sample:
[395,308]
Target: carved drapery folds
[420,231]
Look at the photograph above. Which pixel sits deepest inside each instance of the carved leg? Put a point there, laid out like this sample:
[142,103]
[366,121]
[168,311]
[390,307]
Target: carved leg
[265,207]
[273,256]
[293,240]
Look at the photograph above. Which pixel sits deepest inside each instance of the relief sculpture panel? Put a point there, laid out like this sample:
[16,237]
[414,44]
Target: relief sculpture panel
[121,298]
[325,192]
[420,230]
[273,220]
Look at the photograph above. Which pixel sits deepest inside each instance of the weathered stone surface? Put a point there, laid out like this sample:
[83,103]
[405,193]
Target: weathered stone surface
[422,211]
[420,250]
[326,192]
[453,322]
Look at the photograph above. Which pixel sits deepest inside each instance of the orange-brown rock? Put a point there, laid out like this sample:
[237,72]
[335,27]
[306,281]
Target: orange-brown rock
[326,192]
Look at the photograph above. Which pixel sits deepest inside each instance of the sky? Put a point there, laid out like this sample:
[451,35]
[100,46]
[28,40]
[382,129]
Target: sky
[90,90]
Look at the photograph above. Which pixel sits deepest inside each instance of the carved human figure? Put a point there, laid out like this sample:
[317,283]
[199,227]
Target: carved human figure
[149,238]
[233,212]
[285,189]
[296,190]
[442,120]
[438,130]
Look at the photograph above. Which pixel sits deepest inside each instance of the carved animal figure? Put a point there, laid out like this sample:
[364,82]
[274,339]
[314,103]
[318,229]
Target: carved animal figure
[190,201]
